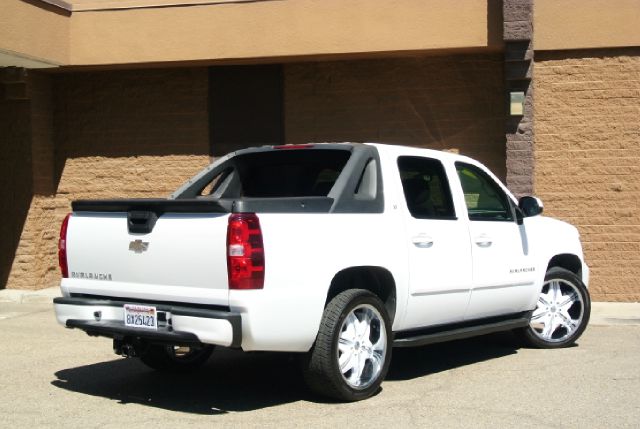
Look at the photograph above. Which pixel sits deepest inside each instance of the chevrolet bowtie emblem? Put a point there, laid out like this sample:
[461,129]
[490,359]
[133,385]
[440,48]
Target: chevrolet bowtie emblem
[139,246]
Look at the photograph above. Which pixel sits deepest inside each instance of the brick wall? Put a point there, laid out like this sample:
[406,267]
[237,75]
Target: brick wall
[517,34]
[41,121]
[35,254]
[588,158]
[137,133]
[141,133]
[452,102]
[15,178]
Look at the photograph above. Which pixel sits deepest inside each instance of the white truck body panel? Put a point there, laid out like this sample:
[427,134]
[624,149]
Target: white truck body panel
[443,270]
[440,272]
[285,315]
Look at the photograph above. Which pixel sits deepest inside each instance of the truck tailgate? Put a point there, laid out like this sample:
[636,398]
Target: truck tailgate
[183,255]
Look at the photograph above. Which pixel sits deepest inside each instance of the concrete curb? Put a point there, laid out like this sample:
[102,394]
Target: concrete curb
[602,313]
[40,296]
[615,313]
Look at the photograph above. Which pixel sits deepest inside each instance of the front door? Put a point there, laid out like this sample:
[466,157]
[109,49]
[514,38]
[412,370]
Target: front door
[503,271]
[438,242]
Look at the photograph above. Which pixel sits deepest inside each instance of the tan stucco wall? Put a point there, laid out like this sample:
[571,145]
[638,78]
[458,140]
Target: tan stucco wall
[231,31]
[576,24]
[282,28]
[40,33]
[587,155]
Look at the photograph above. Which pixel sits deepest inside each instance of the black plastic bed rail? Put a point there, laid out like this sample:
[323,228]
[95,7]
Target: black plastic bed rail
[283,205]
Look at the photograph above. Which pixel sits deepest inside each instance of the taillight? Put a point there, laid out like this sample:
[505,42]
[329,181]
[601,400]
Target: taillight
[245,252]
[62,247]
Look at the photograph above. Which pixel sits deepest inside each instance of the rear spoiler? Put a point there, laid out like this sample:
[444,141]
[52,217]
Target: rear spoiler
[142,214]
[160,206]
[154,205]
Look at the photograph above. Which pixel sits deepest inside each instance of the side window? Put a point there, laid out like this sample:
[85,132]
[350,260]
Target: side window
[484,198]
[426,188]
[367,185]
[211,187]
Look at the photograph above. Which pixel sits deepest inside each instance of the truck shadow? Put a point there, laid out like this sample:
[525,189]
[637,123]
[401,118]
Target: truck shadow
[233,381]
[409,363]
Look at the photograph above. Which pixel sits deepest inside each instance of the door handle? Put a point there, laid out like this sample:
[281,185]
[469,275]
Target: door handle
[422,241]
[483,241]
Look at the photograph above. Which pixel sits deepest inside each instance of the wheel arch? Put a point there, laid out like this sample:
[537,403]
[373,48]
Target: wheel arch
[377,280]
[568,261]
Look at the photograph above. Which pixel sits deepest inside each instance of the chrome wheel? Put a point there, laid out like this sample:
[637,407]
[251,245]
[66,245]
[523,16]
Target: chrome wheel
[559,311]
[353,349]
[362,346]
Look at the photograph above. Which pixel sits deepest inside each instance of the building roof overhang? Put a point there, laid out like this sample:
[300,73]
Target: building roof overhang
[14,59]
[96,5]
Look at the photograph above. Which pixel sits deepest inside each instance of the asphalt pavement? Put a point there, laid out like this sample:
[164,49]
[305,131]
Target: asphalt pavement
[56,377]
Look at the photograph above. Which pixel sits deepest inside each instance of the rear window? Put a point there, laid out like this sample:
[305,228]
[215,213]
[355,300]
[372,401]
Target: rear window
[290,173]
[426,188]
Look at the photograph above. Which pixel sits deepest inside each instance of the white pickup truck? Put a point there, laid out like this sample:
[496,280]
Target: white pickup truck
[337,251]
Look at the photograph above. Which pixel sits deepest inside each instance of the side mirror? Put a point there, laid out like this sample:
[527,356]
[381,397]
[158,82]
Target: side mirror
[530,206]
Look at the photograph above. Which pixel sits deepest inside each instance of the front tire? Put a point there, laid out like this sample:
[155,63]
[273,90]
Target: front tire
[169,358]
[352,352]
[562,311]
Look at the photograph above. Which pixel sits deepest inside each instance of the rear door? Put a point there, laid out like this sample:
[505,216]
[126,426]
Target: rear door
[503,270]
[438,242]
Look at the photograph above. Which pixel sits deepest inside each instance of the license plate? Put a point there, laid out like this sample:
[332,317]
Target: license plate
[140,316]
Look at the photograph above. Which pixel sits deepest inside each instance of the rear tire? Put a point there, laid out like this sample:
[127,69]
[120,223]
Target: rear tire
[176,358]
[562,311]
[352,352]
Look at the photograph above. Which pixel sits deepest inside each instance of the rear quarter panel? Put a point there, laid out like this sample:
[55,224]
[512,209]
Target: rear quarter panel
[303,252]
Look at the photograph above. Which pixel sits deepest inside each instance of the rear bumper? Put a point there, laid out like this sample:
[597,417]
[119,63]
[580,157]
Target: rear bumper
[177,324]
